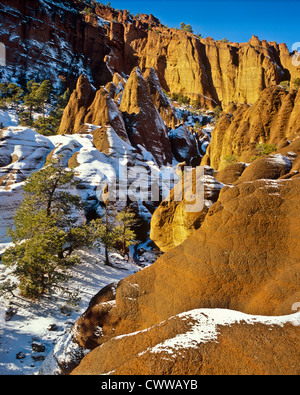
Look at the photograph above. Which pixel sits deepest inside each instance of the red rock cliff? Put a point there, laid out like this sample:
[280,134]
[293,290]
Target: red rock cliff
[61,41]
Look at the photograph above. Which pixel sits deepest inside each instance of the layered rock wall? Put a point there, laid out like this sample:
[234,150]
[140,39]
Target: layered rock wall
[50,39]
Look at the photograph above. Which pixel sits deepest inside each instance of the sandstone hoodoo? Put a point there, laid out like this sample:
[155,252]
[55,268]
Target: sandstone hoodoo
[273,120]
[145,126]
[149,195]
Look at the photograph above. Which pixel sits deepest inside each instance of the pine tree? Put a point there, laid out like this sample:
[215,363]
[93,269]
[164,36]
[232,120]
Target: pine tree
[114,231]
[43,95]
[104,232]
[30,99]
[45,233]
[10,93]
[125,234]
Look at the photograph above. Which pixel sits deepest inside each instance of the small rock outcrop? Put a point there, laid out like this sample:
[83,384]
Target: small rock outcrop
[270,167]
[176,219]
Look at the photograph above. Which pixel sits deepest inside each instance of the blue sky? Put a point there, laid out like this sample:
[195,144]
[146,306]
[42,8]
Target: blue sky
[237,20]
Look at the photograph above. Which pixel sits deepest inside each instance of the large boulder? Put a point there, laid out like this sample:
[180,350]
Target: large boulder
[270,167]
[202,342]
[231,173]
[174,220]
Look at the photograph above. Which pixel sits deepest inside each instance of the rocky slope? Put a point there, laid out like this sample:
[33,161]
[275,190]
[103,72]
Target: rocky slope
[135,115]
[60,40]
[116,128]
[244,257]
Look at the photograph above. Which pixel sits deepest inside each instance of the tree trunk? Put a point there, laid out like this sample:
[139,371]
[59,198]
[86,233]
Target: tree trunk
[106,256]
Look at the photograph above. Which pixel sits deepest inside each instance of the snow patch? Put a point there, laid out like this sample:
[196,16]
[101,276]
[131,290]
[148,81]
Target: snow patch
[205,327]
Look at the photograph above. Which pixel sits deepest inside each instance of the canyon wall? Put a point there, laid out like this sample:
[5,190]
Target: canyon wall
[49,39]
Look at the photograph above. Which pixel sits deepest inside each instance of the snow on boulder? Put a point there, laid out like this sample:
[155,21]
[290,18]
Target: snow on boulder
[22,151]
[269,167]
[106,140]
[202,342]
[8,118]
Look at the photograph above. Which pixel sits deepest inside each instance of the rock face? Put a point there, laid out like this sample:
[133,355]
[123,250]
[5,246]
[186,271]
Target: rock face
[175,220]
[88,106]
[60,41]
[136,121]
[145,127]
[213,72]
[245,257]
[271,120]
[183,144]
[53,39]
[75,111]
[160,99]
[202,342]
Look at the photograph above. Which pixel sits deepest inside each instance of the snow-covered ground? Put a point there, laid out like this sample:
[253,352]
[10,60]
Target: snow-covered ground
[35,327]
[23,151]
[8,118]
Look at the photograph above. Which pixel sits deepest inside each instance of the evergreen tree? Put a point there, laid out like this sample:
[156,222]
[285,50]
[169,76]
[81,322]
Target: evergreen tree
[30,99]
[125,234]
[43,95]
[10,93]
[186,28]
[45,233]
[103,228]
[114,231]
